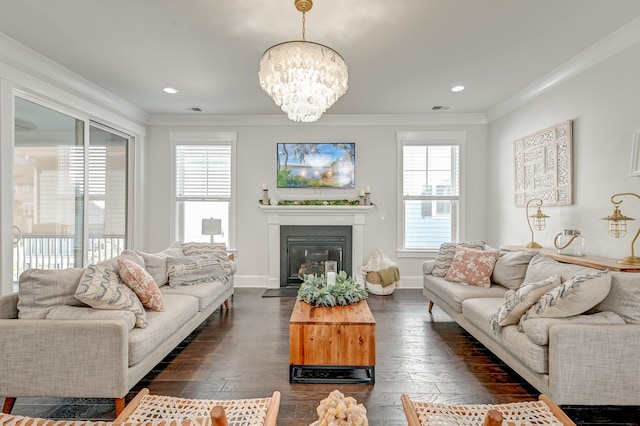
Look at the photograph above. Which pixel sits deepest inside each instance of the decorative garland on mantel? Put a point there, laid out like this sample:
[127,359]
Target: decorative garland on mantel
[317,203]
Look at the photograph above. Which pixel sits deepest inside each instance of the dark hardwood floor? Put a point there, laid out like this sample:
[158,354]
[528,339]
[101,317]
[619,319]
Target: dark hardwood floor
[244,353]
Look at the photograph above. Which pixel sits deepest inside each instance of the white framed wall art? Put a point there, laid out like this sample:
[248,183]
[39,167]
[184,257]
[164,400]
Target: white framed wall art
[543,166]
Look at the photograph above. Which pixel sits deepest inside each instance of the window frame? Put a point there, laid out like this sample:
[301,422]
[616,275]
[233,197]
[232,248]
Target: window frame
[204,138]
[428,138]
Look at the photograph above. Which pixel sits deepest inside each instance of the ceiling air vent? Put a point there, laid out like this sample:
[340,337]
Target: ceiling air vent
[441,108]
[192,109]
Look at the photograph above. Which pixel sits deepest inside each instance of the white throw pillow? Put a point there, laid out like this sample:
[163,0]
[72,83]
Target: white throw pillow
[211,249]
[516,302]
[101,288]
[572,297]
[156,266]
[189,270]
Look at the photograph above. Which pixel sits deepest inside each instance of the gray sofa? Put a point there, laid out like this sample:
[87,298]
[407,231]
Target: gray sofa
[66,349]
[576,362]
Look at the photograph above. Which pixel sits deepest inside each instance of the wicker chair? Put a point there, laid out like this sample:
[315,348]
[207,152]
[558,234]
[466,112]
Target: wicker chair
[149,409]
[153,410]
[539,413]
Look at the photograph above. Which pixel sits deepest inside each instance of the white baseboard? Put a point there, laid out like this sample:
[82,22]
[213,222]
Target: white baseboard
[260,281]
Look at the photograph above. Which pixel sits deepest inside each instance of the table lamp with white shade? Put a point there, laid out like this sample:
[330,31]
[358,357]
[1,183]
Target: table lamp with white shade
[212,227]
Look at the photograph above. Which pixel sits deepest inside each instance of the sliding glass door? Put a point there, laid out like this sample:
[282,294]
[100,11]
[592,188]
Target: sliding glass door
[107,212]
[70,190]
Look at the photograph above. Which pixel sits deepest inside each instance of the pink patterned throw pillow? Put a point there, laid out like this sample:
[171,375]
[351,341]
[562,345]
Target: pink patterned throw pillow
[472,267]
[142,284]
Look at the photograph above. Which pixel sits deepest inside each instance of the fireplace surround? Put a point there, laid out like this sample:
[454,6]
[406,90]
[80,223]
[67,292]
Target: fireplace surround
[303,215]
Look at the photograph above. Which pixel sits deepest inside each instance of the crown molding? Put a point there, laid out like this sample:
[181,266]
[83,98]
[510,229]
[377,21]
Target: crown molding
[615,42]
[39,67]
[325,120]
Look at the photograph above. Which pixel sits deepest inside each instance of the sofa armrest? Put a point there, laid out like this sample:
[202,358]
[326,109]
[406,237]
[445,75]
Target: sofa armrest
[594,364]
[427,266]
[70,358]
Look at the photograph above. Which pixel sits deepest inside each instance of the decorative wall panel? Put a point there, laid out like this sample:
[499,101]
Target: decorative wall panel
[542,166]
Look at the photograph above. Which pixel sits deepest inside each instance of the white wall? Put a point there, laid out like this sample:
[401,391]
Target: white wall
[256,163]
[603,103]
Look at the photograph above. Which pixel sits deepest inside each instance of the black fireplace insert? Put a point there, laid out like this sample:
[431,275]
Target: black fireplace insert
[304,250]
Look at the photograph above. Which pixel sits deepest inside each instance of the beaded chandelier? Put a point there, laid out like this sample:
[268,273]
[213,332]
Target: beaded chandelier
[302,77]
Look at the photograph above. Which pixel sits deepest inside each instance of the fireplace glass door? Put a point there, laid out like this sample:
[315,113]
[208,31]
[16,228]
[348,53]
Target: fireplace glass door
[305,249]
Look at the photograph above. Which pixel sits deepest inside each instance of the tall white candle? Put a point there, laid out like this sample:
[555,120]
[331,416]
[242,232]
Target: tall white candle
[331,279]
[367,189]
[264,186]
[362,192]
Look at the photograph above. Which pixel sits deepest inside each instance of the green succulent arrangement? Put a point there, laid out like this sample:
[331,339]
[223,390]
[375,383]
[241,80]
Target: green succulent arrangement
[346,291]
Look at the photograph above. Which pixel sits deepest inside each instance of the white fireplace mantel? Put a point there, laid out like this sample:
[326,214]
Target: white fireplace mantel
[354,216]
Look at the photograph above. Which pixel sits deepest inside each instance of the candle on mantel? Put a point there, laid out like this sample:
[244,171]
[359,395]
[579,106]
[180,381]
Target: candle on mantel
[367,190]
[331,279]
[362,192]
[264,186]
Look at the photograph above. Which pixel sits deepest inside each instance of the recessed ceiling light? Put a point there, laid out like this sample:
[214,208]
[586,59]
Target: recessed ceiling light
[457,88]
[170,90]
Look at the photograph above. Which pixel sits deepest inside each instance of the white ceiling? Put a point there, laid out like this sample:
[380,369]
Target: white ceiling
[403,56]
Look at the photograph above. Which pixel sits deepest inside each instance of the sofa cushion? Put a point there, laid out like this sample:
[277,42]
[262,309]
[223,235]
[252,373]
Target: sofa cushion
[427,266]
[477,312]
[156,266]
[518,302]
[87,313]
[174,250]
[472,267]
[179,309]
[142,284]
[511,268]
[189,270]
[542,267]
[39,290]
[536,357]
[453,294]
[101,288]
[206,293]
[623,297]
[126,254]
[537,329]
[446,253]
[573,297]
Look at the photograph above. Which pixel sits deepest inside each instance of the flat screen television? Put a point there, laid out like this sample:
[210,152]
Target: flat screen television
[316,165]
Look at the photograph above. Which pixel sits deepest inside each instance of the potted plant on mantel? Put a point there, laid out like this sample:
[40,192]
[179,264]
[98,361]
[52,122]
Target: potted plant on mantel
[346,291]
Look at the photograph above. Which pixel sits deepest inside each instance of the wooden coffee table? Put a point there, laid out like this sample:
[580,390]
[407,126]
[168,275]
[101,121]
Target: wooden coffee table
[332,341]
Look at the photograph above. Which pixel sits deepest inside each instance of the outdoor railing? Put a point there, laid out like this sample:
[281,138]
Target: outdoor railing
[59,252]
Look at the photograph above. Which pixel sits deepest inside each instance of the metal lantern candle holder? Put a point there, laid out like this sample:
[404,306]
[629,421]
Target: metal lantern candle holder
[618,226]
[539,221]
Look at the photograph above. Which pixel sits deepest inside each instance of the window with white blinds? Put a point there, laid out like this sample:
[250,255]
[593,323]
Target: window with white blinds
[203,189]
[203,171]
[430,194]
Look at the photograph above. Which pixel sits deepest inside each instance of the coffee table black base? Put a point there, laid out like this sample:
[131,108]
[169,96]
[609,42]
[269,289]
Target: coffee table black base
[332,374]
